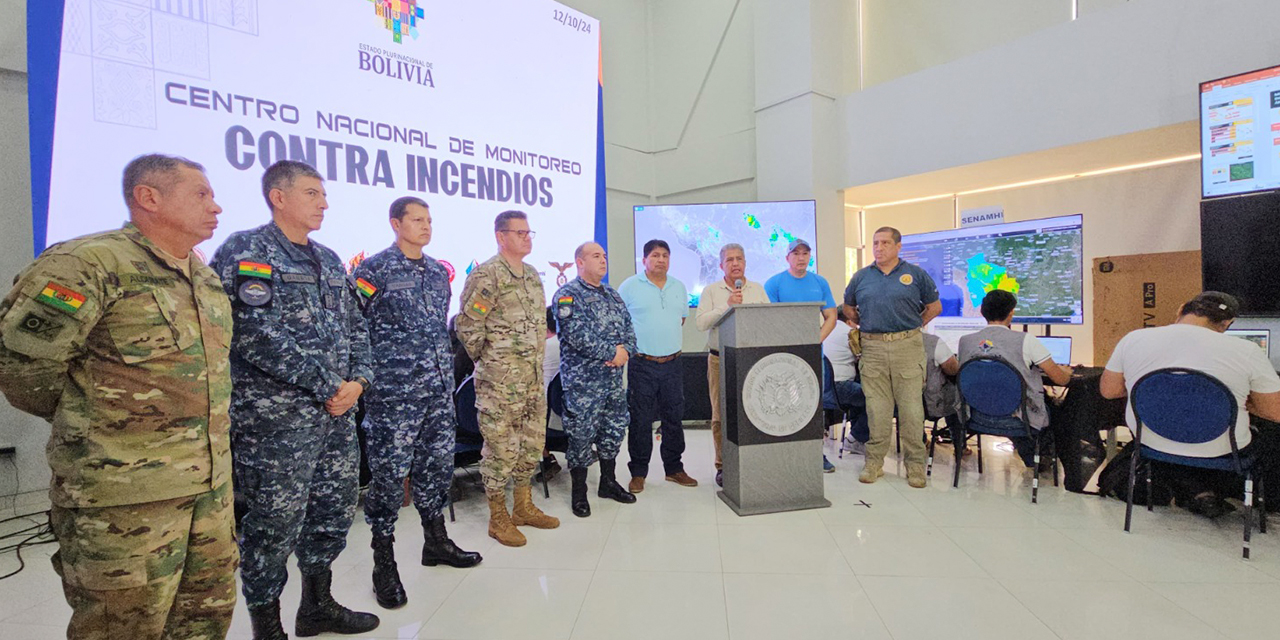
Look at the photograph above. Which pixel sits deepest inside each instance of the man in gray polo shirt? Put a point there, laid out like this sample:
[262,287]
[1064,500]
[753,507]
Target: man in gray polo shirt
[890,300]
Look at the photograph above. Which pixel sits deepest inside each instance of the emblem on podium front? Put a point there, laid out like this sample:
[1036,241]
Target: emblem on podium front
[781,394]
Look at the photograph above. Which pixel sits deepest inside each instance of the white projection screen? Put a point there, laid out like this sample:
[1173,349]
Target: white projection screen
[476,107]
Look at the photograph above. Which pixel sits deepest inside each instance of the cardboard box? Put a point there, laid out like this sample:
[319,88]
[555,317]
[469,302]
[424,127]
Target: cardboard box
[1132,292]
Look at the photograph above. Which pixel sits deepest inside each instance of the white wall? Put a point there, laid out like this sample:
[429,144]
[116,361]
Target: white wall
[27,433]
[1117,70]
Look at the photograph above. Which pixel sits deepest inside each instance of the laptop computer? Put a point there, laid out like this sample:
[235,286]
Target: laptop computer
[1260,337]
[1059,348]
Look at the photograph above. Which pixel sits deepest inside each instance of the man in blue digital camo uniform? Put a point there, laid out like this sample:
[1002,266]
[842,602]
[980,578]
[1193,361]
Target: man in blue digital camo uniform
[410,424]
[596,339]
[299,363]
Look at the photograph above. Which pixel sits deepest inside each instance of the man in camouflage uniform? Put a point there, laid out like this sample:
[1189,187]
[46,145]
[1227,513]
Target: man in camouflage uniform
[596,339]
[410,424]
[502,322]
[300,361]
[119,339]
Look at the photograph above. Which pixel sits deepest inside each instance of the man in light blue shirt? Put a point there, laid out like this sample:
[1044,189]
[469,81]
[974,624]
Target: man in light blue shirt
[658,304]
[798,284]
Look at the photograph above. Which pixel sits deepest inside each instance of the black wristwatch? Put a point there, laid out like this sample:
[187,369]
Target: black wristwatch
[364,383]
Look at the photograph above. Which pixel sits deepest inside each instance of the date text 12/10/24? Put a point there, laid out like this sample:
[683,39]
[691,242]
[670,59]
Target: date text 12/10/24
[573,22]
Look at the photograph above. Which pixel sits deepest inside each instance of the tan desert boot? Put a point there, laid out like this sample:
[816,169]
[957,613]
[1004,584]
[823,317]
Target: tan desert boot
[500,526]
[526,515]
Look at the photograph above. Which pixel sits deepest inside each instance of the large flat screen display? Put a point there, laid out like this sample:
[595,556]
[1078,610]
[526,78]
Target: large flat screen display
[1039,261]
[696,232]
[1240,133]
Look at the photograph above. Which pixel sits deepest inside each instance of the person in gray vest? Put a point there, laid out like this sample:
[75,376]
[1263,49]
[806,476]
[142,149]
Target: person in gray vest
[941,395]
[1027,354]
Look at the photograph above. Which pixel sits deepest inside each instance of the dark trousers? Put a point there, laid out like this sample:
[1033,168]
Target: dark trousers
[655,392]
[849,395]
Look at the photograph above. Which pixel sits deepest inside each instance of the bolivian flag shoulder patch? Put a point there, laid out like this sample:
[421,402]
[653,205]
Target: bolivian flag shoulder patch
[564,300]
[365,288]
[255,269]
[61,298]
[480,308]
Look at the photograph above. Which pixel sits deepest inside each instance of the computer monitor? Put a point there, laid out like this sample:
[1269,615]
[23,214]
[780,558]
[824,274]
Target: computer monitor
[1059,348]
[950,330]
[1260,337]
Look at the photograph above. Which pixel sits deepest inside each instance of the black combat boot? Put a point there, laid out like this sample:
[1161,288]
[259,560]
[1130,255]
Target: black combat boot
[266,622]
[609,487]
[579,504]
[318,613]
[439,549]
[387,587]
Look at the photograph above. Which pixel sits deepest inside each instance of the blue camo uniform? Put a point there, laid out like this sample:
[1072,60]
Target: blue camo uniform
[593,321]
[299,336]
[409,422]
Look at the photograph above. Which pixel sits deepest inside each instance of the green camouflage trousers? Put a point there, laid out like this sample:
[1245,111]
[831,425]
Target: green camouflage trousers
[162,569]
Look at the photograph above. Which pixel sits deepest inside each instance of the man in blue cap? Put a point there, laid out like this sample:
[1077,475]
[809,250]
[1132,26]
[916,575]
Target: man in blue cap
[798,284]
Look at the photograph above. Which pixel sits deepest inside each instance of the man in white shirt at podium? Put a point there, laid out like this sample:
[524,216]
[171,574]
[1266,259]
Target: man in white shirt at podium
[715,301]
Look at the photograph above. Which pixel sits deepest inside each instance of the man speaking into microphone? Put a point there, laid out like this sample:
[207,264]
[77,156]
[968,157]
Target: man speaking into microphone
[716,299]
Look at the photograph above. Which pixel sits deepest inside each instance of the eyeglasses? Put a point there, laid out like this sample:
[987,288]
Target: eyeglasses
[523,233]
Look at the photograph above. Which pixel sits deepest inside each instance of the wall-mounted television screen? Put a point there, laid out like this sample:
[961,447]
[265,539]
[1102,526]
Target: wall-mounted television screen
[1240,250]
[1039,261]
[696,232]
[1240,133]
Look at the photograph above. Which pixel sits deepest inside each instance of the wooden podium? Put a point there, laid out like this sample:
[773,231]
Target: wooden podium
[770,407]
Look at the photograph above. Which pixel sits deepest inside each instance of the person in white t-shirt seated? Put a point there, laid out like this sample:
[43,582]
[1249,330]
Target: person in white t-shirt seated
[1197,341]
[550,367]
[1024,352]
[941,395]
[848,392]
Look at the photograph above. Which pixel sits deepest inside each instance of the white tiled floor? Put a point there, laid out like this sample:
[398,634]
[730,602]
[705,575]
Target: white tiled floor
[976,562]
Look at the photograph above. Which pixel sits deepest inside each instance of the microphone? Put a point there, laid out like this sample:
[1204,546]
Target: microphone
[737,284]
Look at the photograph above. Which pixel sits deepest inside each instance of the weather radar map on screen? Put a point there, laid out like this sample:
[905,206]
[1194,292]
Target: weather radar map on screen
[1039,261]
[696,232]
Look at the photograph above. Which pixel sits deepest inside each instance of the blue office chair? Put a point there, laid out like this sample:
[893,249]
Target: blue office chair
[1191,407]
[467,439]
[991,393]
[556,440]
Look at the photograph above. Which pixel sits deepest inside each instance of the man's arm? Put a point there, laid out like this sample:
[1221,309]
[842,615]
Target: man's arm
[828,323]
[1264,405]
[1059,374]
[708,312]
[1112,385]
[951,366]
[930,312]
[38,339]
[260,337]
[478,297]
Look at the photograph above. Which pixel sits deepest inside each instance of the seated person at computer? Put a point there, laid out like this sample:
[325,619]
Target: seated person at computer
[1196,341]
[848,391]
[1028,356]
[941,395]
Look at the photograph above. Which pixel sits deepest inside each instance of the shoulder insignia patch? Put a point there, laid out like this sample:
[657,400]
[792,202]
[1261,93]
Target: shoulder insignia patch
[40,326]
[564,300]
[480,308]
[365,288]
[255,269]
[61,298]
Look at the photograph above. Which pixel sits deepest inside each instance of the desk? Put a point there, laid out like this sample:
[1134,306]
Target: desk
[1076,423]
